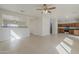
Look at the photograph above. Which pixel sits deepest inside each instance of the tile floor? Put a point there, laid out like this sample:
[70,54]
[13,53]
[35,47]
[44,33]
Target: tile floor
[53,44]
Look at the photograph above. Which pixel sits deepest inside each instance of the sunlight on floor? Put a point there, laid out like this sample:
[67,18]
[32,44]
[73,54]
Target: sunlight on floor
[64,48]
[69,41]
[14,35]
[14,40]
[61,50]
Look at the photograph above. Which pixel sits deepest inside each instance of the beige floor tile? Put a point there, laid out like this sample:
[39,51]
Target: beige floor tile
[53,44]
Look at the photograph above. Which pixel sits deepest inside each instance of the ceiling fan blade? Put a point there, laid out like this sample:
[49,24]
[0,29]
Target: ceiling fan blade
[51,8]
[49,11]
[45,7]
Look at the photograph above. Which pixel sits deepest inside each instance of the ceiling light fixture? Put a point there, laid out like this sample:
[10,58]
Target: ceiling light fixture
[46,9]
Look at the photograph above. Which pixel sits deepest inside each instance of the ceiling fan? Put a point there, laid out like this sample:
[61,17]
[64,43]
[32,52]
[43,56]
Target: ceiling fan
[45,8]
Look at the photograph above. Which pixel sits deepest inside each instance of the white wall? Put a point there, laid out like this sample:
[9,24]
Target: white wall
[36,26]
[45,24]
[54,26]
[41,25]
[68,20]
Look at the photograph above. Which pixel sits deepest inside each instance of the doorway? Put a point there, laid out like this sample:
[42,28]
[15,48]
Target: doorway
[50,28]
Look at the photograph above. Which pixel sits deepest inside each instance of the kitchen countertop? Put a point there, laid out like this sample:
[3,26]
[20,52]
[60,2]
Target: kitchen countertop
[74,28]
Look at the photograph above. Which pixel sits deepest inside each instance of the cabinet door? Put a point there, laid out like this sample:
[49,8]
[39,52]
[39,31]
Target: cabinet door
[76,32]
[71,31]
[61,30]
[77,25]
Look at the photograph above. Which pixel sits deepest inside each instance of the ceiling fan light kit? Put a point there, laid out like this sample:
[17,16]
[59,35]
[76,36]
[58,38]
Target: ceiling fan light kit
[44,11]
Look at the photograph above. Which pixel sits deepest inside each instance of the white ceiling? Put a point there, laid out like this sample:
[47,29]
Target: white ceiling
[62,10]
[29,9]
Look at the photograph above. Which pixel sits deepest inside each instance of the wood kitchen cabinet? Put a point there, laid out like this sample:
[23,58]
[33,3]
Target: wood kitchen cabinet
[76,32]
[72,31]
[77,25]
[60,30]
[69,24]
